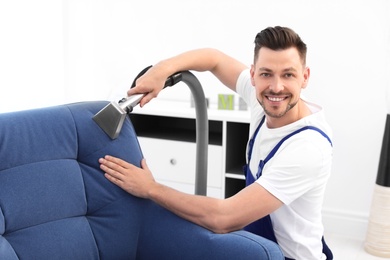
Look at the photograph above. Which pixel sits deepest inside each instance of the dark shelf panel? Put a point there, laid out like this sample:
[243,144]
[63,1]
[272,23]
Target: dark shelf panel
[173,128]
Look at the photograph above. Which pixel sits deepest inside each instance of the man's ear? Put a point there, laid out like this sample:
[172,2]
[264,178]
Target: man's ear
[252,74]
[306,76]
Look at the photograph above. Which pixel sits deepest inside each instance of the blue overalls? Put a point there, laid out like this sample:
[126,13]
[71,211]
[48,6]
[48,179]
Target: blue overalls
[263,226]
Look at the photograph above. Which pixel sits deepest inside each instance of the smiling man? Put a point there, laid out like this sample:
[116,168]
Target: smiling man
[289,153]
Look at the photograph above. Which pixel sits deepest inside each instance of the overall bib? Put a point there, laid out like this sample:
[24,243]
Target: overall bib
[263,226]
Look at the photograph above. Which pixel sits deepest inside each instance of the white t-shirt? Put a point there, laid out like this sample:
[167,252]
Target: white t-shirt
[296,175]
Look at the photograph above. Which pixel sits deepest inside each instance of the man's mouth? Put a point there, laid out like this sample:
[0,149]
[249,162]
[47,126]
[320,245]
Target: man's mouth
[276,98]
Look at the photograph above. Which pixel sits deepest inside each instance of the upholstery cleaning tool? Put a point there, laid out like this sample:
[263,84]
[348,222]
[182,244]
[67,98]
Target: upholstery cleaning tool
[112,117]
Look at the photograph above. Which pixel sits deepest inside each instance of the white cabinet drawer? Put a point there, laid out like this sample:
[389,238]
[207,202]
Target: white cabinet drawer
[174,161]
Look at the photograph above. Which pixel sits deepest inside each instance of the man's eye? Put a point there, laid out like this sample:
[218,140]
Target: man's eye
[288,75]
[265,75]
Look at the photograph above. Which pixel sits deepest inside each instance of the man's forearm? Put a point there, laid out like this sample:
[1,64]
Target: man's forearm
[224,67]
[202,210]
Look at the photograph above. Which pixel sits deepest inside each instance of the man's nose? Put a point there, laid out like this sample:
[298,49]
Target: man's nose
[277,85]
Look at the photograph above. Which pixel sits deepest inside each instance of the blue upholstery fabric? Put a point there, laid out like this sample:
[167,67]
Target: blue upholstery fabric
[191,242]
[55,202]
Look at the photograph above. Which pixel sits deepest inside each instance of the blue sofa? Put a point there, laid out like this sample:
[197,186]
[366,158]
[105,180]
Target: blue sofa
[56,204]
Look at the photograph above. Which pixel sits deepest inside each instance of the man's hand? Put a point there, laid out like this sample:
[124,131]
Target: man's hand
[150,84]
[134,180]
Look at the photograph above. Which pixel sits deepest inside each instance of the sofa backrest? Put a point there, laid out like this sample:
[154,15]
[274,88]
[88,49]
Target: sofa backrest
[55,202]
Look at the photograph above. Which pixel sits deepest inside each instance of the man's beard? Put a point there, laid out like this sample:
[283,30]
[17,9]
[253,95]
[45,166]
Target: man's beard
[277,115]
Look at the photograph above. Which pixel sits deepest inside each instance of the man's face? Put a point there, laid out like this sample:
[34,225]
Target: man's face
[279,77]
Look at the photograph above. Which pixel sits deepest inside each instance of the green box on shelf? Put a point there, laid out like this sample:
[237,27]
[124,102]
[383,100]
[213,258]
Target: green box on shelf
[225,102]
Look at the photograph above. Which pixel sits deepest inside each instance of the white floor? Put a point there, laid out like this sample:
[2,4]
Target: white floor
[345,248]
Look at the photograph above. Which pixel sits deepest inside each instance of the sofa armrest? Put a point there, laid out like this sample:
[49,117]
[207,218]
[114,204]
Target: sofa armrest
[167,236]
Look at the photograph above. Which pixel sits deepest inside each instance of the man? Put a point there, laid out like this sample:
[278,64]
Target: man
[289,152]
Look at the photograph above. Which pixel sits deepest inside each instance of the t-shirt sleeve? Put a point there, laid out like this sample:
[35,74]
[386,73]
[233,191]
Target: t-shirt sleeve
[243,86]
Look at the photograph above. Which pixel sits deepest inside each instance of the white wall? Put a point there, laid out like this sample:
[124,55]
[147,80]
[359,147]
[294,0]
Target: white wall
[31,54]
[54,51]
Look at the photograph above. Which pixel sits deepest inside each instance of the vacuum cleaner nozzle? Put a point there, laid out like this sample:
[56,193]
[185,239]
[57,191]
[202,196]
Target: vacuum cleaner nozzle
[112,116]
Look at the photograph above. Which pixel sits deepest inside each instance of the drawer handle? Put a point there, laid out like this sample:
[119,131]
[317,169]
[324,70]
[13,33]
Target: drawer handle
[173,161]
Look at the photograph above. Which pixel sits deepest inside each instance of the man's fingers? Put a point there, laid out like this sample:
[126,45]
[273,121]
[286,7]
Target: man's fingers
[113,179]
[110,171]
[116,163]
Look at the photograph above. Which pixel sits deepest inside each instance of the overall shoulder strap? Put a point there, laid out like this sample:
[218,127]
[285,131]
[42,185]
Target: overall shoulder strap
[252,140]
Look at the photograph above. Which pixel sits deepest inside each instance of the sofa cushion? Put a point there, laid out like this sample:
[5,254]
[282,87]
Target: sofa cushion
[40,192]
[37,135]
[67,238]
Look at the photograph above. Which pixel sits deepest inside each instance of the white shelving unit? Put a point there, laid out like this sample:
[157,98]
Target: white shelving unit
[167,135]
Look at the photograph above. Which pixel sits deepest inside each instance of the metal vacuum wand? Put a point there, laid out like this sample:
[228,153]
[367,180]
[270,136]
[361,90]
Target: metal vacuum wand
[112,116]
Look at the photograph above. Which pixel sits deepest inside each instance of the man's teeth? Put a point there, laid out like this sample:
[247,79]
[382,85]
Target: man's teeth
[276,99]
